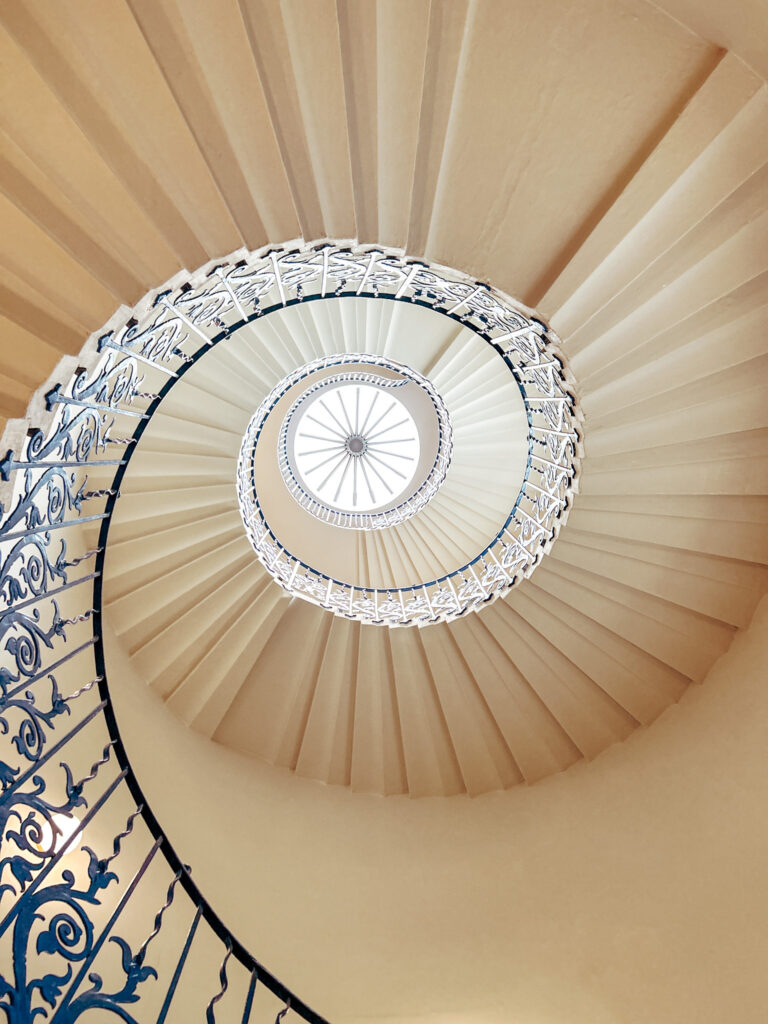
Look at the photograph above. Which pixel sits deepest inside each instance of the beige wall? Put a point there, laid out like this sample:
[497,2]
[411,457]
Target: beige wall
[631,889]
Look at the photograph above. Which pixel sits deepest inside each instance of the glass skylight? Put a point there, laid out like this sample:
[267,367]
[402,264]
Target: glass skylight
[356,447]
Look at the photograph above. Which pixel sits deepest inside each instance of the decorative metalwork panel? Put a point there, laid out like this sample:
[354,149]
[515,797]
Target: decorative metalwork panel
[66,783]
[65,948]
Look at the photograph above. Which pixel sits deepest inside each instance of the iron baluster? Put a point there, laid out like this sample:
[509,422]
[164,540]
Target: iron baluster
[249,996]
[180,965]
[210,1016]
[158,922]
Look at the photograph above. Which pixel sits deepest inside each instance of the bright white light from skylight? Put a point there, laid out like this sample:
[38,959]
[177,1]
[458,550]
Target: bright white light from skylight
[356,447]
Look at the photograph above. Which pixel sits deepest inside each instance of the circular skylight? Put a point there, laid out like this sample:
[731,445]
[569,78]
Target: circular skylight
[356,447]
[365,448]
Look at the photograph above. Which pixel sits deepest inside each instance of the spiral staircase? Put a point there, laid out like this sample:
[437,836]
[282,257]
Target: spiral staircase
[601,170]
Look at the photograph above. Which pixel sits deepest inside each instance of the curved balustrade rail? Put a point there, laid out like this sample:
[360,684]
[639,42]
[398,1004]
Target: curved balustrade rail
[90,887]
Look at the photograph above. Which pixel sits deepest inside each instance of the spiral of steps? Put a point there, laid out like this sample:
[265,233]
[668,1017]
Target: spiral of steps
[607,634]
[605,165]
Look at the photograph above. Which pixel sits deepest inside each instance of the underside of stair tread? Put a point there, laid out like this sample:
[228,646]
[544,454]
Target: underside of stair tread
[741,339]
[736,508]
[535,739]
[205,694]
[687,649]
[327,738]
[720,383]
[743,448]
[706,536]
[590,717]
[377,762]
[142,611]
[714,312]
[659,204]
[746,475]
[165,659]
[724,602]
[636,681]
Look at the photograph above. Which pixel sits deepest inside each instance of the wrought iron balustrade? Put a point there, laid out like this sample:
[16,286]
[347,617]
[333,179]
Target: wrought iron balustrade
[90,887]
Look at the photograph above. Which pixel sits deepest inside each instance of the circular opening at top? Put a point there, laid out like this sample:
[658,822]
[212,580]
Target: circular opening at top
[356,447]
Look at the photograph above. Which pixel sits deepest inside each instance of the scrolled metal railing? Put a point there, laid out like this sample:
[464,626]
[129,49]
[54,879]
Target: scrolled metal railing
[79,843]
